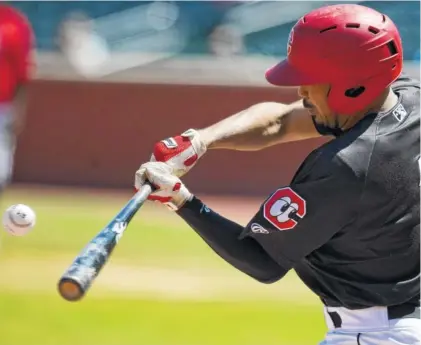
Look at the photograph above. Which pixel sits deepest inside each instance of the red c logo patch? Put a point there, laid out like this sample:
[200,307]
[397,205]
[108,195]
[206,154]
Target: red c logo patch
[284,209]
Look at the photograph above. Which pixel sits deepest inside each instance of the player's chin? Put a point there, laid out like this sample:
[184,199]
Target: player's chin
[321,119]
[312,112]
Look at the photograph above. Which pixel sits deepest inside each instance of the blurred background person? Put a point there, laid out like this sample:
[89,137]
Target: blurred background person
[75,25]
[225,40]
[16,66]
[81,45]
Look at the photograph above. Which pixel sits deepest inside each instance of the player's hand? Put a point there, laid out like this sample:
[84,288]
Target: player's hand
[180,152]
[169,189]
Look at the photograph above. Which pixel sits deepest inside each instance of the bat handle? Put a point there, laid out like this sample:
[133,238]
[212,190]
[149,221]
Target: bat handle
[144,191]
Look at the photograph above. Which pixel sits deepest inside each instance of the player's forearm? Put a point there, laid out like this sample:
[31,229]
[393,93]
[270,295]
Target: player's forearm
[254,128]
[222,235]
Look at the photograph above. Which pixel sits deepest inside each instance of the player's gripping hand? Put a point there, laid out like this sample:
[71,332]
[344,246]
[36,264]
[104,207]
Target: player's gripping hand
[169,189]
[180,152]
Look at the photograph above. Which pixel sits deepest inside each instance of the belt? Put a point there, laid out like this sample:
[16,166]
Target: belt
[401,311]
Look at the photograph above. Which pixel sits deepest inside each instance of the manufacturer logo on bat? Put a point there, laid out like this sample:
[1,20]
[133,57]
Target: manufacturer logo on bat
[119,228]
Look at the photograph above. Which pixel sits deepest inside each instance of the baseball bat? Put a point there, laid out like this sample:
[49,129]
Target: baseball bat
[78,278]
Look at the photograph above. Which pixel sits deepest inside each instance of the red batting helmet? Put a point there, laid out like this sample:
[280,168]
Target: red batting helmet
[15,30]
[355,49]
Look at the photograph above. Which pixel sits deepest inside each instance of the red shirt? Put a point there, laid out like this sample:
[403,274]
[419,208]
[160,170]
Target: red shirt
[16,43]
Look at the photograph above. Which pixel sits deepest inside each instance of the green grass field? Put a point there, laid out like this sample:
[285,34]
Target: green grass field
[163,284]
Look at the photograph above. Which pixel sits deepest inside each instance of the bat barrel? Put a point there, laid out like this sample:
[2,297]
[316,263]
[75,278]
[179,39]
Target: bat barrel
[74,283]
[70,289]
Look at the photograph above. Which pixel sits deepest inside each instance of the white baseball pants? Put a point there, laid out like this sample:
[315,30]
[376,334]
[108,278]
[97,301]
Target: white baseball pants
[371,327]
[7,146]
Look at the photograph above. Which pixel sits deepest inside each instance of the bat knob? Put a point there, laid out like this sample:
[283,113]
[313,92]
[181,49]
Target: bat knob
[70,289]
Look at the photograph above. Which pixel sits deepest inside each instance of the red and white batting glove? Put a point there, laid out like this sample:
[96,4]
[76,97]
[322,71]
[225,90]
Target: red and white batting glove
[180,152]
[170,191]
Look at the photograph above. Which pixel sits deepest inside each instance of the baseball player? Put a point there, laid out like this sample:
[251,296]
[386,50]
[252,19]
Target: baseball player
[16,41]
[349,221]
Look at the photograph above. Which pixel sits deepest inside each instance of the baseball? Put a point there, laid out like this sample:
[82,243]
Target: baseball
[19,219]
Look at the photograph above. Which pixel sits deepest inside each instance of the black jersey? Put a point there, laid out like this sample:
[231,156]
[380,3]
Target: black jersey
[349,222]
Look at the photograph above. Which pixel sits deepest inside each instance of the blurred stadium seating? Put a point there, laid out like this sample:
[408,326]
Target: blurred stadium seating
[185,27]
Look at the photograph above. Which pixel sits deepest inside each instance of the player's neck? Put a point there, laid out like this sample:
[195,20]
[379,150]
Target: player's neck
[391,100]
[385,102]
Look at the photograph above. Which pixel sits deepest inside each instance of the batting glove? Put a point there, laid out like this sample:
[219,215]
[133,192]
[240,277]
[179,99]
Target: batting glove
[170,191]
[180,152]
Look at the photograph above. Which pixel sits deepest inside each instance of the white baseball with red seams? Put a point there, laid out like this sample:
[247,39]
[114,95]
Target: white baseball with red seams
[19,219]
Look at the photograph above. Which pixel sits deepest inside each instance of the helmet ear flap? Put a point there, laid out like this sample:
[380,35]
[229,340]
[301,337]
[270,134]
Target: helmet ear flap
[344,99]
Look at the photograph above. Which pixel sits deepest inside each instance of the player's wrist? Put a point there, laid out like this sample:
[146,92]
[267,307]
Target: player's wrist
[207,138]
[194,204]
[197,141]
[180,198]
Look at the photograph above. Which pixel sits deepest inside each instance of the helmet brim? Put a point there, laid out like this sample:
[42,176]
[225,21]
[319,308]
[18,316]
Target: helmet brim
[285,74]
